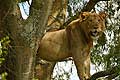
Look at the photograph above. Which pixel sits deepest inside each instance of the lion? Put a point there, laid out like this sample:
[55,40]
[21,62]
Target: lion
[74,41]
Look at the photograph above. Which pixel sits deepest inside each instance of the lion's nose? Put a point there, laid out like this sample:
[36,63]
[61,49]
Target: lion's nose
[95,31]
[95,27]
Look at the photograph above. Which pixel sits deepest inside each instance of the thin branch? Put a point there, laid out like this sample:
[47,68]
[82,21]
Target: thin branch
[110,77]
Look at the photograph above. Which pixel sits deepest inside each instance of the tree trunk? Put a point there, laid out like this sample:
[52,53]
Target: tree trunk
[24,34]
[44,69]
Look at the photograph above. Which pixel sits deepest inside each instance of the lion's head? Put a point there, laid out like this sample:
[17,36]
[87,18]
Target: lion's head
[93,23]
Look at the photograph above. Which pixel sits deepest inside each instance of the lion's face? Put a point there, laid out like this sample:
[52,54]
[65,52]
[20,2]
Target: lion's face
[95,23]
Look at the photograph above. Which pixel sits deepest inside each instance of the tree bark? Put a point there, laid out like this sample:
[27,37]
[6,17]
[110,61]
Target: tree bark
[44,70]
[58,14]
[24,34]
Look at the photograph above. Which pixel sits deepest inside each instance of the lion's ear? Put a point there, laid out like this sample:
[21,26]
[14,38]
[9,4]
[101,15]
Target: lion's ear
[103,15]
[84,15]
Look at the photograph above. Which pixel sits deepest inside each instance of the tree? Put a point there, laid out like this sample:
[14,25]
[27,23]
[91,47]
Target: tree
[25,35]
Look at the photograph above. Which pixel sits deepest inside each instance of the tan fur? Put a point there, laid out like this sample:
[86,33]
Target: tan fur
[75,41]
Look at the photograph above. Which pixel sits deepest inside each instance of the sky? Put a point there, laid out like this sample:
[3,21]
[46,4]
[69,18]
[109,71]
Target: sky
[24,8]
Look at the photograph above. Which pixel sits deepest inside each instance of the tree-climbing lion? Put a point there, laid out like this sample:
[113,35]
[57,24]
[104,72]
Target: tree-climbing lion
[74,41]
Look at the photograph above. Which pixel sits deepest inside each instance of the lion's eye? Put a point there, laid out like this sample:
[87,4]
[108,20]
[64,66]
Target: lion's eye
[98,20]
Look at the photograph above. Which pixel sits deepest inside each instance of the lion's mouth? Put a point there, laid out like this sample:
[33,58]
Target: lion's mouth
[94,34]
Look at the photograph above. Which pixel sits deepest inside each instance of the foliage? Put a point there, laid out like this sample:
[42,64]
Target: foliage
[3,76]
[107,51]
[4,42]
[74,6]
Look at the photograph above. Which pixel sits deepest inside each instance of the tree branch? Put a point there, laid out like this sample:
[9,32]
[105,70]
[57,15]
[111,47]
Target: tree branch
[90,5]
[111,73]
[39,12]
